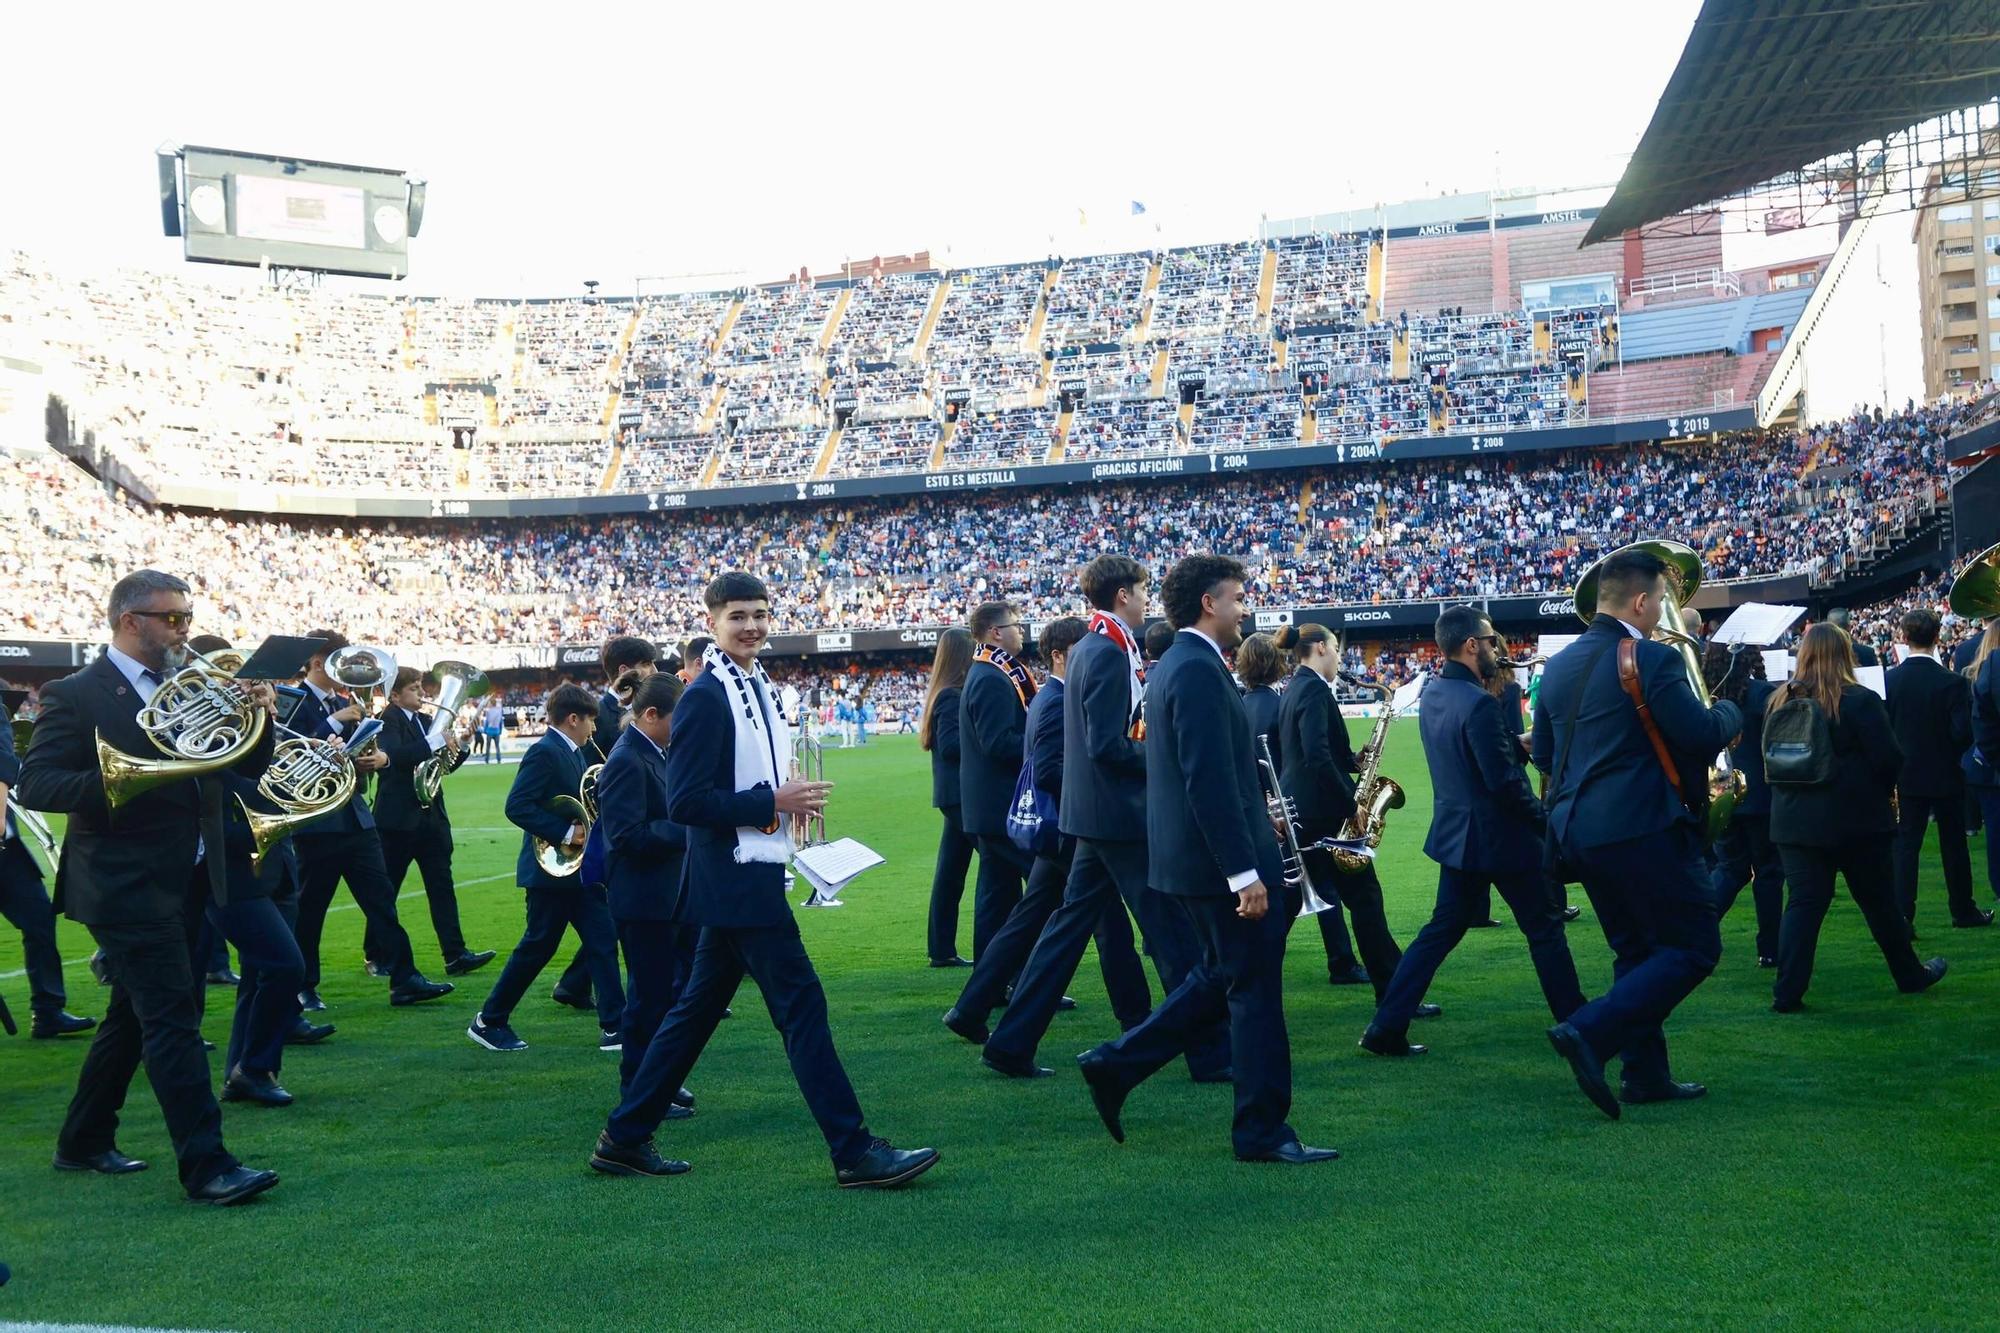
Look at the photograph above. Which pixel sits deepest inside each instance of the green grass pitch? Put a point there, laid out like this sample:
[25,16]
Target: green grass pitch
[1841,1173]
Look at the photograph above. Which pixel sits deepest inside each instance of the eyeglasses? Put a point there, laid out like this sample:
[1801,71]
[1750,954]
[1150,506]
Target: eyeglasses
[174,619]
[1487,638]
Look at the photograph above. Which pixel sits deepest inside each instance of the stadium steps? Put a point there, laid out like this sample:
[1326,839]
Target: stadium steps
[824,462]
[833,318]
[1280,352]
[492,404]
[1033,341]
[1159,373]
[714,408]
[949,429]
[1148,294]
[722,330]
[1378,273]
[430,407]
[1309,423]
[612,467]
[1399,356]
[614,372]
[1061,445]
[1267,282]
[712,466]
[931,317]
[1187,425]
[1304,516]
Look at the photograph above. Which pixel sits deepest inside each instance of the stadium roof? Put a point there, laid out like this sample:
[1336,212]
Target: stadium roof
[1767,86]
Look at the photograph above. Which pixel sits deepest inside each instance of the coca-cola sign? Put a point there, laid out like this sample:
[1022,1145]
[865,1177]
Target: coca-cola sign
[1554,607]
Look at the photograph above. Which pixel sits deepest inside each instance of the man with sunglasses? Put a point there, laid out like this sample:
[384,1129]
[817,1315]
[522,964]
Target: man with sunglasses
[132,877]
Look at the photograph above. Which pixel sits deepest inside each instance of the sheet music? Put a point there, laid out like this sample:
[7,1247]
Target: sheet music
[1758,624]
[1875,678]
[1405,697]
[1777,665]
[829,865]
[1548,645]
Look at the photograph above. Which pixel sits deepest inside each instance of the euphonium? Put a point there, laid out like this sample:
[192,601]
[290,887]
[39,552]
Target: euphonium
[1375,795]
[561,859]
[586,792]
[1975,591]
[199,718]
[1282,811]
[457,682]
[1725,784]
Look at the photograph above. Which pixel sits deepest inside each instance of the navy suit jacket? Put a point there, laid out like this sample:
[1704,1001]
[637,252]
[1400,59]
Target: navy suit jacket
[1930,707]
[1206,817]
[1748,755]
[1982,761]
[396,805]
[281,863]
[1314,756]
[1612,787]
[10,776]
[131,864]
[610,721]
[310,719]
[944,748]
[701,797]
[1261,705]
[644,849]
[549,769]
[1484,816]
[991,723]
[1961,656]
[1104,778]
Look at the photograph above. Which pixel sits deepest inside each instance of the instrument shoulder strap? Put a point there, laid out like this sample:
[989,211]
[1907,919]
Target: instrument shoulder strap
[1575,708]
[1628,678]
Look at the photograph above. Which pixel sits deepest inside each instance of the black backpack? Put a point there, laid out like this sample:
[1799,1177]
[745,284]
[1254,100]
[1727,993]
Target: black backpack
[1798,744]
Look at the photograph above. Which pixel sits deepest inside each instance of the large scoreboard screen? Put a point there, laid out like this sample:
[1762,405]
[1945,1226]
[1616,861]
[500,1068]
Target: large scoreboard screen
[258,210]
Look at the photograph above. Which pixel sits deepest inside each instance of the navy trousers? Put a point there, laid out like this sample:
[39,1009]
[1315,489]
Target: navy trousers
[271,971]
[1463,898]
[1002,868]
[1916,814]
[429,845]
[658,958]
[324,860]
[550,911]
[1745,854]
[1989,809]
[775,958]
[1105,879]
[954,858]
[25,904]
[1864,864]
[1239,979]
[1361,896]
[1651,896]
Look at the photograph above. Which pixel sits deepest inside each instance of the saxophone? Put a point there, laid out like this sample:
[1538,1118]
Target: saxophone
[1375,795]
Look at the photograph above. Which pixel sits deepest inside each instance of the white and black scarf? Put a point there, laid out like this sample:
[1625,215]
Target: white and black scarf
[1116,630]
[763,751]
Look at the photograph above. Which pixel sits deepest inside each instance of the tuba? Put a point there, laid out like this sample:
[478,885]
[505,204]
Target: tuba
[560,859]
[1282,811]
[1975,590]
[1725,783]
[1375,794]
[200,718]
[457,682]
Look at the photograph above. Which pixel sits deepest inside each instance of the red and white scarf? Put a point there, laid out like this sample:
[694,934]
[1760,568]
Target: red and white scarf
[1116,630]
[994,655]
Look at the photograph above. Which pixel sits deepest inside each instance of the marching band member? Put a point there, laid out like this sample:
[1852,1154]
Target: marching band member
[992,718]
[939,736]
[25,904]
[729,784]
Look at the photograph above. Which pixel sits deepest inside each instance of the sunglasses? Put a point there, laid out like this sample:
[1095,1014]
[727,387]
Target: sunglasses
[174,619]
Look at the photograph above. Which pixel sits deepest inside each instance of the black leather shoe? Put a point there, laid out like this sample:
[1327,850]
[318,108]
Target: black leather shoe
[1973,922]
[641,1159]
[975,1033]
[1064,1005]
[573,1001]
[380,970]
[1294,1154]
[883,1167]
[675,1111]
[469,962]
[1105,1094]
[223,977]
[1572,913]
[1589,1070]
[1665,1092]
[263,1089]
[418,989]
[1388,1043]
[1490,923]
[110,1162]
[1934,970]
[1015,1068]
[1353,976]
[59,1024]
[953,961]
[1764,960]
[234,1186]
[1427,1011]
[684,1098]
[310,1002]
[305,1033]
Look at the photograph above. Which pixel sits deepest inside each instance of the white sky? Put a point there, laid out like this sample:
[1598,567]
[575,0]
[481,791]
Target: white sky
[565,142]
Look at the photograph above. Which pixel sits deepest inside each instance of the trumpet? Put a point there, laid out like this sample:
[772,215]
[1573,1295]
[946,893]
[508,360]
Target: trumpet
[200,718]
[808,765]
[1284,814]
[560,859]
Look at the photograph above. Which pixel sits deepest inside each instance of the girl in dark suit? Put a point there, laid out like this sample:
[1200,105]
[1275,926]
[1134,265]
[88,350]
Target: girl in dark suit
[939,736]
[1260,667]
[1843,825]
